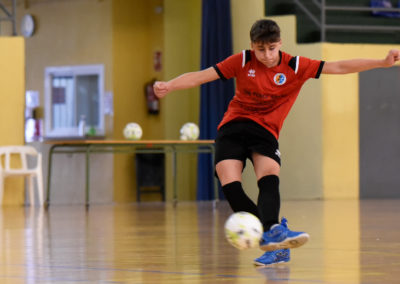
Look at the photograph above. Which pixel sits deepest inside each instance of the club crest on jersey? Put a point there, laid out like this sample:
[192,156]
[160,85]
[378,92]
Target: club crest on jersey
[252,73]
[279,79]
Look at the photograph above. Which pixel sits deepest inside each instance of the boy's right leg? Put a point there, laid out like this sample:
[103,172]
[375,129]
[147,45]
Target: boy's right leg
[272,257]
[238,199]
[230,174]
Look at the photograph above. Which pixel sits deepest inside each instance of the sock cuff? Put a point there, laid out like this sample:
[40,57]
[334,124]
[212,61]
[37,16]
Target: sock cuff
[234,184]
[267,181]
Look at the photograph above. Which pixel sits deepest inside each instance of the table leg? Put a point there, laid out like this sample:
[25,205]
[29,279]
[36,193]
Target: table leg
[87,155]
[49,168]
[216,192]
[174,176]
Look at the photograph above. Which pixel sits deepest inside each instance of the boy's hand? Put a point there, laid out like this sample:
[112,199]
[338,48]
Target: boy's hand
[161,89]
[392,57]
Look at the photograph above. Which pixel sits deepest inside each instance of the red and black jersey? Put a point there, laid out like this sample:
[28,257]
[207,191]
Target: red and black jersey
[265,95]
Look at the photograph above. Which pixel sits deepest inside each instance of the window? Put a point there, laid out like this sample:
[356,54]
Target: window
[73,93]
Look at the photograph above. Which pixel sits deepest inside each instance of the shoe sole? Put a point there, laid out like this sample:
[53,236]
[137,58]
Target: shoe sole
[288,243]
[256,263]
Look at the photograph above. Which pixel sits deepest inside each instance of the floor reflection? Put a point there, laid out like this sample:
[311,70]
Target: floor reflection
[352,242]
[277,273]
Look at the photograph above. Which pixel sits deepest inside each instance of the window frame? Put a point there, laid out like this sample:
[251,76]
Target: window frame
[74,71]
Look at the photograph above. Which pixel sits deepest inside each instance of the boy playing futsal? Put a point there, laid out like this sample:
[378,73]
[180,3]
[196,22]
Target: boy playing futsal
[268,81]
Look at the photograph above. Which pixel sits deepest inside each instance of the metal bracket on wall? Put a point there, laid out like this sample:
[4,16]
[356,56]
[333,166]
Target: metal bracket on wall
[9,16]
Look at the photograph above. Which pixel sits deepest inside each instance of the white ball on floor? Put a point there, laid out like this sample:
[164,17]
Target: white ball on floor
[133,131]
[243,230]
[189,131]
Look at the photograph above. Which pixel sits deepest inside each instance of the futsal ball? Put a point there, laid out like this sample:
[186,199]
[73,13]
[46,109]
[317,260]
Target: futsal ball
[190,131]
[243,230]
[133,131]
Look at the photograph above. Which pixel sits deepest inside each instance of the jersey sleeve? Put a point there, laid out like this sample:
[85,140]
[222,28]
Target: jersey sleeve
[227,68]
[309,68]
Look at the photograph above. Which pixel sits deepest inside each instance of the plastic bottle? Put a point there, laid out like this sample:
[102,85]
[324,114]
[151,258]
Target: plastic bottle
[82,126]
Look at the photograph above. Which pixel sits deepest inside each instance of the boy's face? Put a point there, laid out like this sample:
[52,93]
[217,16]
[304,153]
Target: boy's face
[267,53]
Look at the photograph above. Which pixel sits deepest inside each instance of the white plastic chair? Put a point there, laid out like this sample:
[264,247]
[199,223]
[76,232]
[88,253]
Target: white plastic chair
[30,173]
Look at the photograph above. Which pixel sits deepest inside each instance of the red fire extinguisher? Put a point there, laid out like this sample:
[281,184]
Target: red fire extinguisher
[153,103]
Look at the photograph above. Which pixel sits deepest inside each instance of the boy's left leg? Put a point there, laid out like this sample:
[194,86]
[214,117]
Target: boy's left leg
[269,201]
[276,236]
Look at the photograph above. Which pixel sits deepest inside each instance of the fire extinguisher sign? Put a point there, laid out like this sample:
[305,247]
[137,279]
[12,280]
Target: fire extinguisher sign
[157,61]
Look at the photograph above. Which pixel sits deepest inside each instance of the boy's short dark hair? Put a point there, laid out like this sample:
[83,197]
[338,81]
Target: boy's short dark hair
[265,31]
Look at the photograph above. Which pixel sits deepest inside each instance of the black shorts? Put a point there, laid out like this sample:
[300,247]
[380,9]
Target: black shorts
[239,139]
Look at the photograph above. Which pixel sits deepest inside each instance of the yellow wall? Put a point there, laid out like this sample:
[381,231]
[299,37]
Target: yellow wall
[12,99]
[137,33]
[301,136]
[341,120]
[244,14]
[182,34]
[67,33]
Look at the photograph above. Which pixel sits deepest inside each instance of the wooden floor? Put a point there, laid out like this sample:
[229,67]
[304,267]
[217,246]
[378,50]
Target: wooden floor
[351,242]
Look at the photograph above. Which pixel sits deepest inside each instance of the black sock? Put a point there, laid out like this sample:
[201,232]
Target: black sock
[237,198]
[269,201]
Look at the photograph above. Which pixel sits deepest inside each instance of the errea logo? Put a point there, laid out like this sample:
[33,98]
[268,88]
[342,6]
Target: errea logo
[252,73]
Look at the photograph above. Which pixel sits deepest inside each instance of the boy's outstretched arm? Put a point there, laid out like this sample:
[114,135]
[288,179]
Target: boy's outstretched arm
[359,65]
[185,81]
